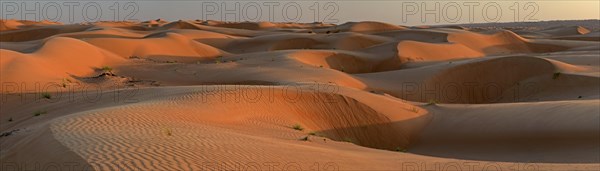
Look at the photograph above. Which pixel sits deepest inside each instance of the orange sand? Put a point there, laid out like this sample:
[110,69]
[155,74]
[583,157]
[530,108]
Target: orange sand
[202,95]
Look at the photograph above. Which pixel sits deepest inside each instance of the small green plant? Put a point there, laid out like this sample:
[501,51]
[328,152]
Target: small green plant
[168,131]
[304,139]
[106,69]
[39,112]
[313,133]
[555,75]
[298,127]
[10,119]
[431,102]
[65,82]
[346,139]
[218,60]
[414,109]
[46,95]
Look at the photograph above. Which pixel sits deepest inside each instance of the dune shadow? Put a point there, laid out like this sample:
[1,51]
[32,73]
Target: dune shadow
[568,149]
[573,148]
[394,136]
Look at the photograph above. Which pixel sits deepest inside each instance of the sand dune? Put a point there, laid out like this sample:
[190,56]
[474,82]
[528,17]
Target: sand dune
[592,36]
[20,24]
[499,79]
[507,72]
[424,35]
[267,25]
[222,122]
[339,41]
[222,30]
[566,31]
[202,95]
[54,61]
[180,48]
[361,27]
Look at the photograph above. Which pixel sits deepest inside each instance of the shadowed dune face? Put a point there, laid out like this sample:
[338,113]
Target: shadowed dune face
[160,95]
[487,81]
[533,132]
[344,62]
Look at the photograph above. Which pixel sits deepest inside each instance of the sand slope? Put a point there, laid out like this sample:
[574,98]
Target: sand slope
[216,125]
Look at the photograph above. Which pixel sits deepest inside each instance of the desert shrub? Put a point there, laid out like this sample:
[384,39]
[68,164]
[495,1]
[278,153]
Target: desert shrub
[346,139]
[218,59]
[65,82]
[298,127]
[46,95]
[106,69]
[555,75]
[168,131]
[39,112]
[400,149]
[414,109]
[431,102]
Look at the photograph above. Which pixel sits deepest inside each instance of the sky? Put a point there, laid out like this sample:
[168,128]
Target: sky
[428,12]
